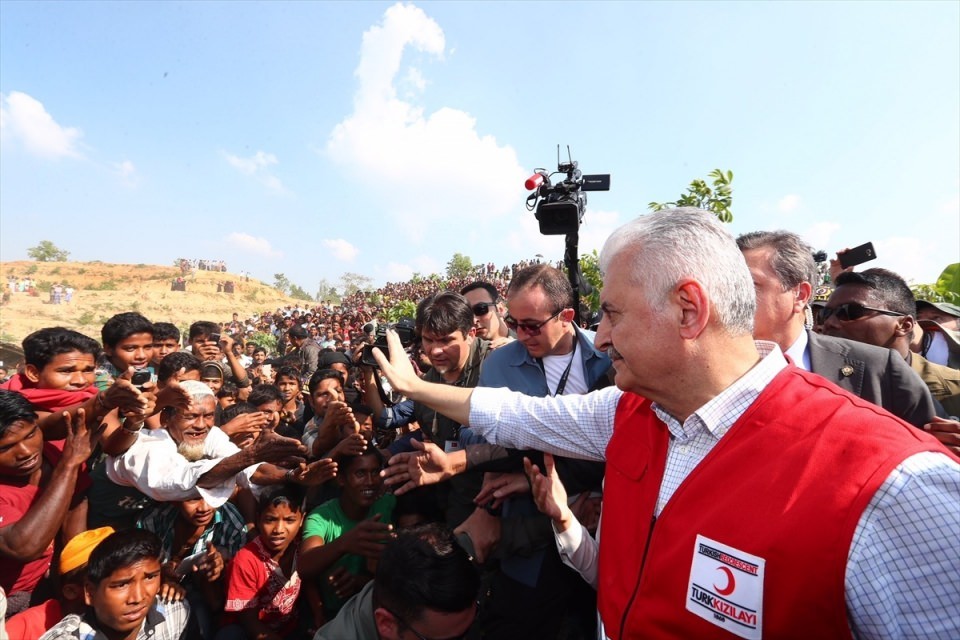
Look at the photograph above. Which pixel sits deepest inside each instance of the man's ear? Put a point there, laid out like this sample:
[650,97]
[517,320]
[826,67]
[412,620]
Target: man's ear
[88,589]
[905,326]
[567,315]
[32,373]
[804,291]
[387,625]
[695,308]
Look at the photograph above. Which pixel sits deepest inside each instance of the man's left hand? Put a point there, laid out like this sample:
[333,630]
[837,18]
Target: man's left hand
[484,532]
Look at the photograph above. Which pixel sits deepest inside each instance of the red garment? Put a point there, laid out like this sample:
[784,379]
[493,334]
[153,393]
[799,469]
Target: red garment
[35,621]
[785,486]
[48,399]
[256,581]
[15,501]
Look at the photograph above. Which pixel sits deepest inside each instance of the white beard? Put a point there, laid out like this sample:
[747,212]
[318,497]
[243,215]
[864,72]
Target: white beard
[191,451]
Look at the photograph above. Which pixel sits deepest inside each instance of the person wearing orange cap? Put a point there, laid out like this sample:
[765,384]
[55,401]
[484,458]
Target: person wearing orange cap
[34,622]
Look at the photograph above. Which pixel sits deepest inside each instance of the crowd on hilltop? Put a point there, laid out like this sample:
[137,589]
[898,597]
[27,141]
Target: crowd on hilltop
[186,264]
[299,473]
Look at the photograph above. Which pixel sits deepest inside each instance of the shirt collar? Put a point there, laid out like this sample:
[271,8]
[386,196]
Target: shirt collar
[724,409]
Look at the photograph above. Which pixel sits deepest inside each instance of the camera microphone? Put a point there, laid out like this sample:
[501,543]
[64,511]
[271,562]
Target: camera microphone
[533,182]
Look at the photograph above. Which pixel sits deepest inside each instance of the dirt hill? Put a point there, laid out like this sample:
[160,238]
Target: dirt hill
[102,290]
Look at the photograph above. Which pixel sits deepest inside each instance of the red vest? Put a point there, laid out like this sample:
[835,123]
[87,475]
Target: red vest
[788,483]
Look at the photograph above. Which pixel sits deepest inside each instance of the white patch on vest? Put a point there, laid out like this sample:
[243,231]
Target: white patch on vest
[726,588]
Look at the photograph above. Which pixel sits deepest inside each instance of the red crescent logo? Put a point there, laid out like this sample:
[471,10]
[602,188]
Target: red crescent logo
[731,583]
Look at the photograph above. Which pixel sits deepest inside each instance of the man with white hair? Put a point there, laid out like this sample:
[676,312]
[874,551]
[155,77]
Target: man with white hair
[742,495]
[189,455]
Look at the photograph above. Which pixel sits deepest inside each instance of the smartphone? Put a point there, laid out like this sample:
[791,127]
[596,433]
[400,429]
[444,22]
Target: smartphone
[215,337]
[141,377]
[857,255]
[187,564]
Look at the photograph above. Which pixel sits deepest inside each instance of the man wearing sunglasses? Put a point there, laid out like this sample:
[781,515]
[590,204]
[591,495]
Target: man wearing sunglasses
[782,268]
[532,591]
[741,493]
[877,307]
[488,310]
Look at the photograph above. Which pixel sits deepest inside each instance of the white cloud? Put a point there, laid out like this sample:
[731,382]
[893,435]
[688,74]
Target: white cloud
[427,166]
[820,236]
[401,272]
[341,249]
[127,172]
[252,244]
[525,240]
[24,118]
[257,166]
[788,203]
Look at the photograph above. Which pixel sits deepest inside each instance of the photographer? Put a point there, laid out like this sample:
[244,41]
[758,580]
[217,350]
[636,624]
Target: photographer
[445,325]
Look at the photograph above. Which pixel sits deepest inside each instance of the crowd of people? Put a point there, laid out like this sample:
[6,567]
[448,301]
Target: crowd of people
[735,446]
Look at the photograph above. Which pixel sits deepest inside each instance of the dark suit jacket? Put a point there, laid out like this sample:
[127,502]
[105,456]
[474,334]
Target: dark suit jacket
[876,374]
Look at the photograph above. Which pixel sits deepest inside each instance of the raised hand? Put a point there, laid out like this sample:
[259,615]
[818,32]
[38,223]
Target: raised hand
[428,465]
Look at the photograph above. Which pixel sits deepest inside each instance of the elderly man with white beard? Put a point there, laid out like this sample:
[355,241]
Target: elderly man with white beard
[189,455]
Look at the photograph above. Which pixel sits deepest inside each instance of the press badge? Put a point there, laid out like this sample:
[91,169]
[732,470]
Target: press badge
[449,446]
[726,588]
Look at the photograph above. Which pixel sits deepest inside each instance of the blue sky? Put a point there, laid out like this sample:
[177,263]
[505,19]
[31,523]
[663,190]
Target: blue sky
[314,139]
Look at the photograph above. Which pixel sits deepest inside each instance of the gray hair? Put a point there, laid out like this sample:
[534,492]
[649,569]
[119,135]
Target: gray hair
[673,244]
[792,258]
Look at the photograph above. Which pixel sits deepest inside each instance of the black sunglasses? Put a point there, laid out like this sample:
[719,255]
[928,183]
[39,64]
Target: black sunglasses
[850,311]
[533,328]
[481,308]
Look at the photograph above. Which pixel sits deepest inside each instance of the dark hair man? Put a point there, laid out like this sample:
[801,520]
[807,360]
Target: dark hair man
[342,535]
[488,312]
[127,342]
[166,340]
[444,322]
[877,307]
[686,546]
[306,350]
[120,589]
[782,268]
[38,495]
[425,587]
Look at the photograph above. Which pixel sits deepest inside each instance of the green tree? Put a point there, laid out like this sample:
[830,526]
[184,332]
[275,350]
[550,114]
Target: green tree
[281,283]
[945,289]
[590,269]
[297,292]
[46,251]
[403,309]
[351,282]
[716,200]
[266,340]
[459,266]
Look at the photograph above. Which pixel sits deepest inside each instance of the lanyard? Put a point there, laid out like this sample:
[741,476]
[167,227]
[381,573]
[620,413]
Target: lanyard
[562,384]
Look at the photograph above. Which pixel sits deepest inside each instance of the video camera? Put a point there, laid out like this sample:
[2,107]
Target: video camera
[405,331]
[560,207]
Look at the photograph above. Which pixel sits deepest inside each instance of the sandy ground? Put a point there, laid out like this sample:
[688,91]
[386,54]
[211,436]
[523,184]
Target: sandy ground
[102,290]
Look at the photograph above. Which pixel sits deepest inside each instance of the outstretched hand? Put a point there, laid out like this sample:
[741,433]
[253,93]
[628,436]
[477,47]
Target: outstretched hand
[549,493]
[407,471]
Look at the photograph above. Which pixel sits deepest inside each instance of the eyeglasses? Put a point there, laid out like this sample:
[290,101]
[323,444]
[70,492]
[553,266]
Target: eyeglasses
[533,328]
[476,609]
[482,308]
[850,311]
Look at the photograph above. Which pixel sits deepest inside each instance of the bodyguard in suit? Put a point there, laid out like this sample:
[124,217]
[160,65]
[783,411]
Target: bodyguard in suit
[783,271]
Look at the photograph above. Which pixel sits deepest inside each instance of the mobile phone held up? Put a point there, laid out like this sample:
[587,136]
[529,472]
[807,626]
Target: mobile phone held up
[141,377]
[857,255]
